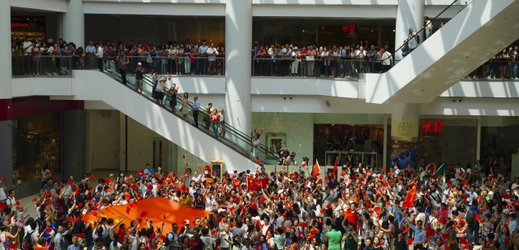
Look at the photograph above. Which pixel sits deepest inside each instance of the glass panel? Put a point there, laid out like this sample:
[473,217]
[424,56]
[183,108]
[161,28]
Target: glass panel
[225,134]
[36,147]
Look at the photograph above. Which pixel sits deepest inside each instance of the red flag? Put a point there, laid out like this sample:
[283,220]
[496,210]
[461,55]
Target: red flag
[303,224]
[406,230]
[378,210]
[343,174]
[92,177]
[128,209]
[316,170]
[3,177]
[409,200]
[34,200]
[429,232]
[80,235]
[410,241]
[355,199]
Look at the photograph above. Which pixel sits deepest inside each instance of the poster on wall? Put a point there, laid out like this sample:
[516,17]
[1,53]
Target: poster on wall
[270,169]
[404,142]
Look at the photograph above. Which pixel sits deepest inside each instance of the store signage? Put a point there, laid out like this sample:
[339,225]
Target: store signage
[19,25]
[430,127]
[348,28]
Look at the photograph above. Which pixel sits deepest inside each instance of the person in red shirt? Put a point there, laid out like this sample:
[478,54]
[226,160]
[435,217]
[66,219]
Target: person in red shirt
[215,118]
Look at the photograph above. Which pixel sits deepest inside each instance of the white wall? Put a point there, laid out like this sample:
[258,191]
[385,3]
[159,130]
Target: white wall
[162,9]
[485,89]
[304,86]
[47,5]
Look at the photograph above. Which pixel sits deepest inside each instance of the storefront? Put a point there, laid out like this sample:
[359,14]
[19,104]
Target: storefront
[32,27]
[363,142]
[441,139]
[323,32]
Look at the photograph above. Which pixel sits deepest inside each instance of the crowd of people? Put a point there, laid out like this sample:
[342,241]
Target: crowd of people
[358,208]
[33,57]
[320,61]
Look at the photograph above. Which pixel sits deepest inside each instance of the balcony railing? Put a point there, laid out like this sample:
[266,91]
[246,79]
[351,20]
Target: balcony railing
[329,67]
[61,65]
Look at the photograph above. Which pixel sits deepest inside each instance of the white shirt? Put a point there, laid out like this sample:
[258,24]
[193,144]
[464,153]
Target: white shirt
[412,43]
[210,52]
[386,58]
[210,203]
[99,53]
[2,194]
[208,242]
[161,85]
[28,47]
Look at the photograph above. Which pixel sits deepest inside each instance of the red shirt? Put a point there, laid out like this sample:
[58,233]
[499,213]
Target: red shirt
[215,118]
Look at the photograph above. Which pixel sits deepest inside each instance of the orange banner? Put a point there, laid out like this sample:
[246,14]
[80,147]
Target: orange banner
[154,208]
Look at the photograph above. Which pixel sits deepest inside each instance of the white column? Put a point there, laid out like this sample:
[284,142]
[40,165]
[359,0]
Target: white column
[5,49]
[74,23]
[6,128]
[238,42]
[408,15]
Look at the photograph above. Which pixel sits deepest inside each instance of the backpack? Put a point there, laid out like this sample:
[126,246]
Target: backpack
[27,241]
[7,210]
[470,217]
[167,242]
[418,39]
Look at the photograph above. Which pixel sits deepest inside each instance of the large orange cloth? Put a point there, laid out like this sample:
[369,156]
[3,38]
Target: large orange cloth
[156,208]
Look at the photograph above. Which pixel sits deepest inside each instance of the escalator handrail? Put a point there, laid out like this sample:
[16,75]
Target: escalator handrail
[241,150]
[423,28]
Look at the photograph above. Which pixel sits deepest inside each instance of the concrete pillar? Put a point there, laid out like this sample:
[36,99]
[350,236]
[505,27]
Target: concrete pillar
[74,144]
[409,14]
[238,43]
[404,134]
[74,23]
[6,128]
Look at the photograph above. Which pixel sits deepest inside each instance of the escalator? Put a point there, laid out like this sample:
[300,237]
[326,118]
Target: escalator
[234,147]
[464,43]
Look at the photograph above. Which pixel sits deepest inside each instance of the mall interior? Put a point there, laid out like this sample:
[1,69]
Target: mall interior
[430,105]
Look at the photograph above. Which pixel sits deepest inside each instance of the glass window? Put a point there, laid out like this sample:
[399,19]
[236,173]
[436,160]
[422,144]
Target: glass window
[36,147]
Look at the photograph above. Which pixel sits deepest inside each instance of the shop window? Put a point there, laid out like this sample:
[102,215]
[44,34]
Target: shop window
[36,147]
[364,142]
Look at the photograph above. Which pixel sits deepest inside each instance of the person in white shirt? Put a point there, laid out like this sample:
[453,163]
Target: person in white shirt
[99,55]
[211,52]
[428,27]
[2,191]
[27,46]
[412,40]
[210,202]
[387,60]
[208,240]
[225,237]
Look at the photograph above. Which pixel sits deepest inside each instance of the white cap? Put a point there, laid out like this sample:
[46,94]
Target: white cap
[139,63]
